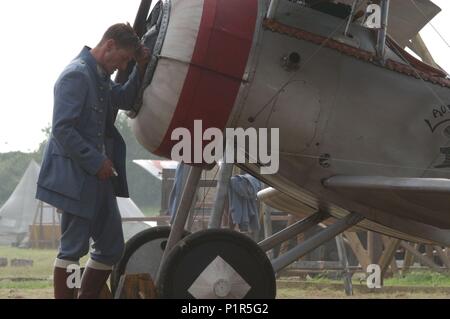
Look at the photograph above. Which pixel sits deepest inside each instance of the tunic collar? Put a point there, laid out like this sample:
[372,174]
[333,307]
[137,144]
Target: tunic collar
[89,59]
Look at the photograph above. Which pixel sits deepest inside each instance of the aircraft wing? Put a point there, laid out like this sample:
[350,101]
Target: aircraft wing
[425,200]
[156,167]
[397,226]
[407,17]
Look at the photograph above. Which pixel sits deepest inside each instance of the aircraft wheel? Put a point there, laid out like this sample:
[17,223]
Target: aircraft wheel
[214,264]
[143,254]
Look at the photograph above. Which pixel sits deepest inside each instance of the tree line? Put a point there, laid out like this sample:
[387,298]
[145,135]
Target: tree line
[145,190]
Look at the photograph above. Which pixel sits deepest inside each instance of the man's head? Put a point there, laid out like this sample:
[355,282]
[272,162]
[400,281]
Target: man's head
[117,47]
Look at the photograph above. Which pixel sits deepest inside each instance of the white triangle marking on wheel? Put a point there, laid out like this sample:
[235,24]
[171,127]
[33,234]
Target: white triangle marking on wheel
[219,280]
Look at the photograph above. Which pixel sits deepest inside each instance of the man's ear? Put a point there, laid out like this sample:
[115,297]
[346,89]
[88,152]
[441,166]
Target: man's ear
[110,44]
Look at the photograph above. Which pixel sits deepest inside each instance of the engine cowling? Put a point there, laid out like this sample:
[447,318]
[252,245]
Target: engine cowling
[189,82]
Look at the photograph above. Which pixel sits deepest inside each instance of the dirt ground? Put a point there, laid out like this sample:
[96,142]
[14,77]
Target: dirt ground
[290,290]
[35,282]
[45,293]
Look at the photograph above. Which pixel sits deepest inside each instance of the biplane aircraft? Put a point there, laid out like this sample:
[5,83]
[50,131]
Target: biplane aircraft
[364,128]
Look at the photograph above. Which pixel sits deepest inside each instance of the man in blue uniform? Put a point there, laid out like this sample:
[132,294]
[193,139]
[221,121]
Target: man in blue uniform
[83,169]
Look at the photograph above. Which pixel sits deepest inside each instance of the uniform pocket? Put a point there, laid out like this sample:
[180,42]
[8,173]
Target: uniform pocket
[63,176]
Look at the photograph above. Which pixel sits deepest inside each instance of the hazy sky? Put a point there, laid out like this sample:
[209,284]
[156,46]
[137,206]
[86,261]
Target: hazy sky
[40,37]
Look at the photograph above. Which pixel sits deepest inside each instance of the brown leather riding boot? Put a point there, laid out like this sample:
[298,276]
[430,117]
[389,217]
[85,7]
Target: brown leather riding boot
[92,283]
[61,290]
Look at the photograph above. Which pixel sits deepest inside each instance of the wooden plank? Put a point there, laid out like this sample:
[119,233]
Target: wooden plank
[300,239]
[285,246]
[19,262]
[408,260]
[443,256]
[425,259]
[226,216]
[165,219]
[280,218]
[346,275]
[358,249]
[393,263]
[386,240]
[317,265]
[105,293]
[370,246]
[388,255]
[429,251]
[267,222]
[207,183]
[374,247]
[135,286]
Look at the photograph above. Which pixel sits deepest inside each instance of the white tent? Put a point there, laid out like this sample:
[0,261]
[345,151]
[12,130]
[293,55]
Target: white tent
[129,209]
[19,211]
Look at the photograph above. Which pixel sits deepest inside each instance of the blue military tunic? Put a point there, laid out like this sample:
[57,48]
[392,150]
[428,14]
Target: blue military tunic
[83,136]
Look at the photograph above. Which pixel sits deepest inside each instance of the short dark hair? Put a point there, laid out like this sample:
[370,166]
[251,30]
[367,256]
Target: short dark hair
[124,36]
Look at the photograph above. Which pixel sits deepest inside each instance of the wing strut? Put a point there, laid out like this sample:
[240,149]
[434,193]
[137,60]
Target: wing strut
[382,33]
[272,9]
[315,241]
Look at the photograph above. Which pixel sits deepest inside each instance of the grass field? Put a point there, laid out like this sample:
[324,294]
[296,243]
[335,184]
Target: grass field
[151,211]
[36,282]
[27,282]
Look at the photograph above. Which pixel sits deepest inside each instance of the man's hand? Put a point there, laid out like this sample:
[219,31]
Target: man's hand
[142,58]
[106,171]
